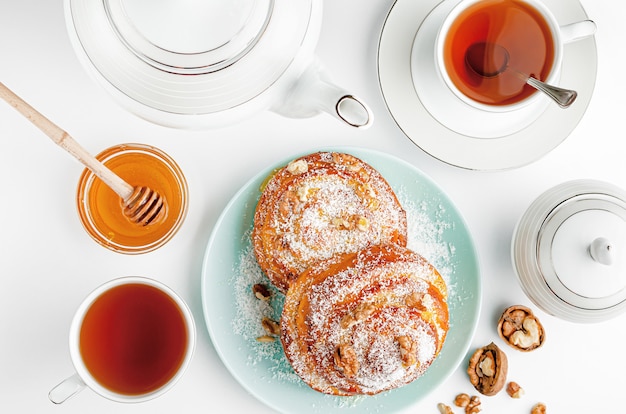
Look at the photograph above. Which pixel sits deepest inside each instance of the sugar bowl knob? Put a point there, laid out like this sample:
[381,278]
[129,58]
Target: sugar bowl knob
[602,251]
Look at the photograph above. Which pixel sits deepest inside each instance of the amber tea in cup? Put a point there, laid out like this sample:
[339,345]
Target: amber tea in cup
[130,340]
[515,25]
[133,339]
[101,210]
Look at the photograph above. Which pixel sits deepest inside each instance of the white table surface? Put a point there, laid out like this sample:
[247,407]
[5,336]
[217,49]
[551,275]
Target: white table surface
[48,263]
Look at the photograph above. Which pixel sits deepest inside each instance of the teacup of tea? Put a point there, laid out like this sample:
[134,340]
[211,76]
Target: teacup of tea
[131,339]
[486,50]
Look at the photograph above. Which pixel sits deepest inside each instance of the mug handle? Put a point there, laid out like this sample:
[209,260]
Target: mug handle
[66,389]
[578,30]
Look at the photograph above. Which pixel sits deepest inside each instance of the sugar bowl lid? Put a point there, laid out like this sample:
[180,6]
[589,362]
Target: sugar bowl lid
[569,251]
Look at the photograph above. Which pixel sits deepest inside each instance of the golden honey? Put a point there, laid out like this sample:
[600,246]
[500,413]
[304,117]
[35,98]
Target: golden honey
[101,210]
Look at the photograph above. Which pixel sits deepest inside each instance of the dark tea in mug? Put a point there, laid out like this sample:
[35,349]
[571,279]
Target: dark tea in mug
[133,339]
[512,25]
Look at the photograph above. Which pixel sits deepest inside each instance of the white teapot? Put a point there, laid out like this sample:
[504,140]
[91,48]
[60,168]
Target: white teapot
[208,63]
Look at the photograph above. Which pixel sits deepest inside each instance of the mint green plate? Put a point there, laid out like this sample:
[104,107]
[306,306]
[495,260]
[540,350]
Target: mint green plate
[436,230]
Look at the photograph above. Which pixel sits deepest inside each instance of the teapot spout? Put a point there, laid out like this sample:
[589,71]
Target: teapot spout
[313,93]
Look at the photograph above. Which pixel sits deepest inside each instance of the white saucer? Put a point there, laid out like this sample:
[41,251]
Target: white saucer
[516,144]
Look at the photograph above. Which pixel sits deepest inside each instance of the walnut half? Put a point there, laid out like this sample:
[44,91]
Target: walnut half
[408,350]
[346,360]
[521,329]
[487,369]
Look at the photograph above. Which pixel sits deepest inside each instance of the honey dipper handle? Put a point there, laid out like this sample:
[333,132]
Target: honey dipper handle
[65,141]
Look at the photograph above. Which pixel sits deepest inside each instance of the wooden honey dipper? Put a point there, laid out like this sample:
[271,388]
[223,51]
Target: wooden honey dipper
[142,205]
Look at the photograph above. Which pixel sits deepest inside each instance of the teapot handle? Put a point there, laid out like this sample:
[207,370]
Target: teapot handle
[313,92]
[352,111]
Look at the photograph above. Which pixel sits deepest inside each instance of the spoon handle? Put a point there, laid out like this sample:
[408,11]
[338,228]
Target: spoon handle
[65,141]
[563,97]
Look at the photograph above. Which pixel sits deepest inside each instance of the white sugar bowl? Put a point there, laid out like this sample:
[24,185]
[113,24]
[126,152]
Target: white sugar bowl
[569,251]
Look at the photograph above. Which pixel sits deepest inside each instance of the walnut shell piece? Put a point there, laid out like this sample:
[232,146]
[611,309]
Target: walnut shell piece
[487,369]
[521,329]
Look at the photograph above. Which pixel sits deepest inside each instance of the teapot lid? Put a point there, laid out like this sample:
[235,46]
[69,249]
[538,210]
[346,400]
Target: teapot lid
[191,57]
[569,251]
[189,36]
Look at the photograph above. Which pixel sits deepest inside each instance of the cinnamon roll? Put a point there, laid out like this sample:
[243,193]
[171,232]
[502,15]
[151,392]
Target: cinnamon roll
[320,205]
[365,322]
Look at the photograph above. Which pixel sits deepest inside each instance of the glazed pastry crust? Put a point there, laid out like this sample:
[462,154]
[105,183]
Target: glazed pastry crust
[365,322]
[320,205]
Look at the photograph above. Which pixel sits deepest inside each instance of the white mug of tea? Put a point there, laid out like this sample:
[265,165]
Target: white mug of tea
[486,50]
[131,339]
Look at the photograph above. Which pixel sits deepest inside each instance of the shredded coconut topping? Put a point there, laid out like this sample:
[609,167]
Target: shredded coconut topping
[393,342]
[338,204]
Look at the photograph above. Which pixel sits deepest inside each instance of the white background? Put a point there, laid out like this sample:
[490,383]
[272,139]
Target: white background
[48,264]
